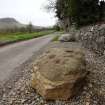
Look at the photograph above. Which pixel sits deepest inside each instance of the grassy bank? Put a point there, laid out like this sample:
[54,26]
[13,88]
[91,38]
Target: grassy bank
[22,36]
[56,38]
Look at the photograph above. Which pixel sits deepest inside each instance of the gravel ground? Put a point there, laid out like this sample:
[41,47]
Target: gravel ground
[17,90]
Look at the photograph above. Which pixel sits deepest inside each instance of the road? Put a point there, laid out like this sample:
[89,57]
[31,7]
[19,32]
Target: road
[12,56]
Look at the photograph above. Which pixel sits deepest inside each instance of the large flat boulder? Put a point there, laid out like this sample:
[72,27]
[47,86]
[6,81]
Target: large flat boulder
[59,73]
[67,38]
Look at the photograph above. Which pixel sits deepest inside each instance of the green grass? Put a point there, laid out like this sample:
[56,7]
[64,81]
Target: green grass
[22,36]
[56,38]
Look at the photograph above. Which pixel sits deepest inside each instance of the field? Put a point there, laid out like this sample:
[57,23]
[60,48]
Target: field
[14,37]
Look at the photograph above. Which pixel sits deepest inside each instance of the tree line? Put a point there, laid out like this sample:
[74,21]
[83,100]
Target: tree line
[30,28]
[79,12]
[26,28]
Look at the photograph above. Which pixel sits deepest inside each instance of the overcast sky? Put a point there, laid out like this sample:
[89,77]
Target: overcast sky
[26,11]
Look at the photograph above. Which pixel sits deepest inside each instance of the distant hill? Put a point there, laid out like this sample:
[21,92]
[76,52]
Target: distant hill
[11,23]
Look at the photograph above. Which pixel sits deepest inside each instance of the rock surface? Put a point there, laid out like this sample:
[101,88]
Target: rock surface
[67,38]
[59,73]
[93,38]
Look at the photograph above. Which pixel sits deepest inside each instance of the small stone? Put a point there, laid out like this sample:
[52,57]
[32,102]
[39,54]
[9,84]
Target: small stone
[11,100]
[4,95]
[9,87]
[85,88]
[90,85]
[22,101]
[87,103]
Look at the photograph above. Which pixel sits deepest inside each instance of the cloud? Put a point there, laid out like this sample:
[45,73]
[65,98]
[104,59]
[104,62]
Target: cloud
[26,11]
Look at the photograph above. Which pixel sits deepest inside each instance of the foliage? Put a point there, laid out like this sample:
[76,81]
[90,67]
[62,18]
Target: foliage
[56,38]
[56,27]
[51,5]
[80,12]
[102,10]
[30,27]
[87,13]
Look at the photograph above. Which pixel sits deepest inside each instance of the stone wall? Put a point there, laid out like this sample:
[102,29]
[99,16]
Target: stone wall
[93,38]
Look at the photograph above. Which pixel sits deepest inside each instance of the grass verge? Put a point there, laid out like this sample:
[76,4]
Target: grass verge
[22,36]
[56,38]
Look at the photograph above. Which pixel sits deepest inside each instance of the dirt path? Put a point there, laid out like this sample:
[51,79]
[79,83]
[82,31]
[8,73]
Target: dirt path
[14,55]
